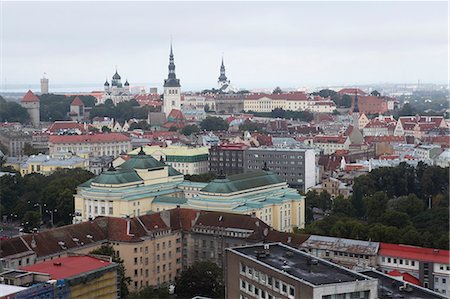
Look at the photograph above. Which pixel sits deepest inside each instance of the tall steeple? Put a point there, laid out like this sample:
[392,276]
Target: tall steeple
[222,77]
[171,80]
[355,102]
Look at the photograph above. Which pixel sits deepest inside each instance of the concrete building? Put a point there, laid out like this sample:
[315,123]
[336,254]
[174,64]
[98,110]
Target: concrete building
[14,141]
[187,160]
[100,144]
[334,187]
[430,266]
[78,276]
[227,158]
[330,144]
[279,271]
[172,88]
[297,166]
[31,102]
[353,254]
[45,164]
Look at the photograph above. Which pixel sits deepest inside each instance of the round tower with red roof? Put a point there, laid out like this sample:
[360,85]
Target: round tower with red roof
[31,102]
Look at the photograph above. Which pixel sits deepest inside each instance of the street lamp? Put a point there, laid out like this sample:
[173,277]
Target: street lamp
[51,214]
[38,204]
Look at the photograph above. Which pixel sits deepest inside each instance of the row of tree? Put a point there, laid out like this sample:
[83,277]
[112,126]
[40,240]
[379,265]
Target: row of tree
[122,111]
[24,198]
[399,204]
[12,112]
[287,114]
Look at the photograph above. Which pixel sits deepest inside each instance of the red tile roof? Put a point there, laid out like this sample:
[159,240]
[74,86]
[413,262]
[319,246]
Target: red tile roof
[67,267]
[77,102]
[405,276]
[414,253]
[233,146]
[387,139]
[89,138]
[30,97]
[351,91]
[329,139]
[292,96]
[65,125]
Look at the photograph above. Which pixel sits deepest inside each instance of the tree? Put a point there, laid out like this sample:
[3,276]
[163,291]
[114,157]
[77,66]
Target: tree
[375,93]
[173,129]
[105,129]
[346,101]
[124,280]
[206,108]
[277,90]
[31,220]
[204,177]
[343,207]
[395,218]
[213,123]
[151,293]
[189,130]
[375,206]
[407,110]
[410,205]
[250,126]
[201,279]
[29,150]
[143,125]
[13,112]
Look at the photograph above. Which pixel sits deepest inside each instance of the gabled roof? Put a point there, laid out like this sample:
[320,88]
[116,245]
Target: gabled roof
[77,102]
[30,97]
[66,125]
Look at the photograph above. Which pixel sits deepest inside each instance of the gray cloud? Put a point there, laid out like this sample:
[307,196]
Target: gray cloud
[265,43]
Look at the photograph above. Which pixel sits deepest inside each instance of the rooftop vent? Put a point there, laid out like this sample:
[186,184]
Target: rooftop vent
[285,266]
[89,237]
[220,218]
[75,240]
[58,264]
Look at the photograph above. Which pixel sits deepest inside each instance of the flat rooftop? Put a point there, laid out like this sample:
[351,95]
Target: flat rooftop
[389,287]
[300,265]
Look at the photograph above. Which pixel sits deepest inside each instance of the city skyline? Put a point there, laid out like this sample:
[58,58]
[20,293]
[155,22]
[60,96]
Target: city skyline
[264,44]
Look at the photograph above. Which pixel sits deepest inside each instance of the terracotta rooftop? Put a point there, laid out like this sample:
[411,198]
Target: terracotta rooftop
[77,102]
[89,138]
[67,267]
[30,97]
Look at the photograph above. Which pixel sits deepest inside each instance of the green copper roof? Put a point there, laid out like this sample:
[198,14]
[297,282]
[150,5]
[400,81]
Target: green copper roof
[116,177]
[240,182]
[173,171]
[170,200]
[142,161]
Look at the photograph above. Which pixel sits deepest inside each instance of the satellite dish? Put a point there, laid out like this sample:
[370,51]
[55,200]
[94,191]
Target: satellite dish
[265,232]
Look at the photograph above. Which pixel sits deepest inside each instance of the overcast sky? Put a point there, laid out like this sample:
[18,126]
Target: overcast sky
[265,44]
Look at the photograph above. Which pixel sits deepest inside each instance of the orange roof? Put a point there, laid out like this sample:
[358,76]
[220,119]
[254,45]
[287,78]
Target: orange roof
[90,138]
[77,102]
[406,276]
[30,97]
[414,253]
[66,267]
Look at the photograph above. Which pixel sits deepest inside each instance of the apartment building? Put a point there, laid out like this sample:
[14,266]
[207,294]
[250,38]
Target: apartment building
[431,267]
[227,158]
[331,144]
[297,166]
[275,270]
[106,144]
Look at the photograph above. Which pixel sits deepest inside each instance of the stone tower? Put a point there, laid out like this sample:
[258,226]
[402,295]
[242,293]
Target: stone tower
[172,88]
[44,85]
[31,102]
[223,80]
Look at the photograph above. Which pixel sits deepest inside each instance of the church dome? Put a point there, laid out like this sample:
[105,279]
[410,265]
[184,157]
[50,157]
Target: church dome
[142,161]
[126,83]
[106,83]
[116,76]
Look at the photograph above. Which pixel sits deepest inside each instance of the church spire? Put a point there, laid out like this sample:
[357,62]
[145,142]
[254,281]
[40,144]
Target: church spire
[171,80]
[222,77]
[355,102]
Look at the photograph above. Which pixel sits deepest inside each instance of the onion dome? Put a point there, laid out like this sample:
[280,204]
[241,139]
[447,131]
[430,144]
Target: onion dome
[126,83]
